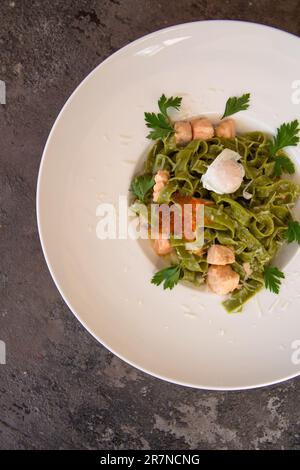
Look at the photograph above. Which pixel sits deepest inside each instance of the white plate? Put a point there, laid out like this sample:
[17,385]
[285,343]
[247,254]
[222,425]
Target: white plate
[94,148]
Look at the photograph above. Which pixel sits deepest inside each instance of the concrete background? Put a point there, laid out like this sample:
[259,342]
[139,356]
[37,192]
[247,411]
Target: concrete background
[60,388]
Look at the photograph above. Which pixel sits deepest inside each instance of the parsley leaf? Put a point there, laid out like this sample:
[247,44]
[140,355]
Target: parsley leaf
[160,123]
[141,186]
[293,232]
[273,277]
[283,165]
[236,104]
[165,103]
[287,135]
[168,276]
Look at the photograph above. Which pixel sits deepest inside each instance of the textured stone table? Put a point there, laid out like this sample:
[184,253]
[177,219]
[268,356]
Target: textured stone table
[60,388]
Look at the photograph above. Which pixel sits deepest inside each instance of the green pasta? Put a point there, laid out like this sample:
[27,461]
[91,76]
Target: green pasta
[252,220]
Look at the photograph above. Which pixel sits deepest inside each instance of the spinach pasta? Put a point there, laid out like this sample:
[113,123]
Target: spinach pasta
[240,182]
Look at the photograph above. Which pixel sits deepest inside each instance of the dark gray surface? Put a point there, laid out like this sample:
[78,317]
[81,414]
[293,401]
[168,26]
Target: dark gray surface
[60,388]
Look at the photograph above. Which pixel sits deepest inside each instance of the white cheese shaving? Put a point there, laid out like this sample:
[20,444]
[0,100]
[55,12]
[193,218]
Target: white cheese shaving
[224,175]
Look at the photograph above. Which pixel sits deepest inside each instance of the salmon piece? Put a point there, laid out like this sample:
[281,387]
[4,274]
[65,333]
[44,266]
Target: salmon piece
[162,247]
[220,255]
[222,279]
[191,216]
[202,129]
[226,129]
[196,251]
[161,178]
[183,132]
[194,202]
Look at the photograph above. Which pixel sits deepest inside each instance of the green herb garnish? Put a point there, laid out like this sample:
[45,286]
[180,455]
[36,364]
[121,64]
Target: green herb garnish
[273,277]
[283,164]
[293,232]
[287,135]
[168,276]
[141,187]
[164,103]
[160,123]
[236,104]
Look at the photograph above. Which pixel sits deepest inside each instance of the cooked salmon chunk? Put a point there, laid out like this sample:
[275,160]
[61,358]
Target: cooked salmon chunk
[226,129]
[202,129]
[183,132]
[161,178]
[220,254]
[162,247]
[222,279]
